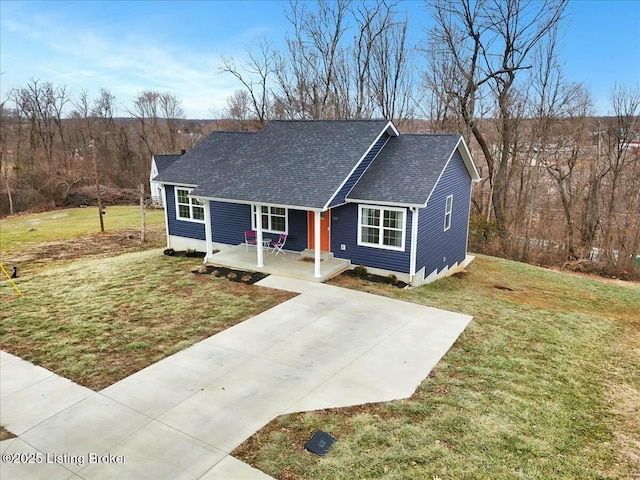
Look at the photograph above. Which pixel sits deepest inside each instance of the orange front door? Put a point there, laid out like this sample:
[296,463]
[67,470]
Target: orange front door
[324,231]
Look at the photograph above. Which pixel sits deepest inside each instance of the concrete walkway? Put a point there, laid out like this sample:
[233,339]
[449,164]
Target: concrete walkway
[180,418]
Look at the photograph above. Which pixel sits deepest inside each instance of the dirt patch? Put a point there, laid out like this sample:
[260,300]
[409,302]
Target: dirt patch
[33,257]
[370,277]
[239,276]
[183,253]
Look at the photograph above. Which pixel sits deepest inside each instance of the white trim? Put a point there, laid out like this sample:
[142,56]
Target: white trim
[466,243]
[191,205]
[384,203]
[435,185]
[381,227]
[254,222]
[391,129]
[186,185]
[468,161]
[254,202]
[388,126]
[448,212]
[413,254]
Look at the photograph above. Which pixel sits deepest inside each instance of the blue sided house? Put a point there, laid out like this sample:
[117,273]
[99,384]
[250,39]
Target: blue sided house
[355,190]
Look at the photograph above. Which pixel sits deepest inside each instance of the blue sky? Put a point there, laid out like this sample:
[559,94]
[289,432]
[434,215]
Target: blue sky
[130,46]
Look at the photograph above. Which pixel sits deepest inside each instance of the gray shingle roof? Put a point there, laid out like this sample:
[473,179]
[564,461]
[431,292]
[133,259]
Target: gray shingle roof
[201,162]
[163,161]
[406,169]
[299,163]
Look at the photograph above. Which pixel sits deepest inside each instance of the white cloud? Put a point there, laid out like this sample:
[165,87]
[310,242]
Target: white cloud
[84,59]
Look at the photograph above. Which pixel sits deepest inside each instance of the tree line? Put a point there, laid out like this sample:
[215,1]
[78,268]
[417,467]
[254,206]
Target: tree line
[559,184]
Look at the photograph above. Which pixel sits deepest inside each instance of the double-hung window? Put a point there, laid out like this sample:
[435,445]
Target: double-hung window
[381,227]
[188,208]
[273,219]
[448,208]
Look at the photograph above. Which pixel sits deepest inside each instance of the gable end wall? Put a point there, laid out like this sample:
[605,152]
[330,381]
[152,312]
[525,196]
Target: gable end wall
[438,249]
[340,198]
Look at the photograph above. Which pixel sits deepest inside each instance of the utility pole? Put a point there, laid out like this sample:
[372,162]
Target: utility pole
[97,178]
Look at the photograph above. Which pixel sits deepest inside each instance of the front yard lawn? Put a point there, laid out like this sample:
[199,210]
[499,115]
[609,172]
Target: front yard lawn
[543,384]
[98,321]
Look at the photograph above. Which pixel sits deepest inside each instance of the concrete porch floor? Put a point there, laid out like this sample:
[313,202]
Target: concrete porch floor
[289,264]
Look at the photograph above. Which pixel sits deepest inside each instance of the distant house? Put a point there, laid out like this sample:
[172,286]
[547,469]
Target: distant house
[158,164]
[358,189]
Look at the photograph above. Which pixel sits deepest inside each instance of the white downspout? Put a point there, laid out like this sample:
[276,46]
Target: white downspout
[414,244]
[259,235]
[316,243]
[207,230]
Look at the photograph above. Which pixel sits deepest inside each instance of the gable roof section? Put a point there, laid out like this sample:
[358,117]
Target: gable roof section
[163,161]
[408,168]
[294,163]
[190,168]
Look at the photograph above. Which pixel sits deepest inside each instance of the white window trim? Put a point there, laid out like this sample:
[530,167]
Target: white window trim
[191,205]
[448,212]
[269,229]
[381,236]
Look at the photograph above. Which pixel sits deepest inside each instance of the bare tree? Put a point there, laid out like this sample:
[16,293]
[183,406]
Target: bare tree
[172,112]
[6,162]
[239,107]
[562,158]
[488,43]
[254,74]
[620,157]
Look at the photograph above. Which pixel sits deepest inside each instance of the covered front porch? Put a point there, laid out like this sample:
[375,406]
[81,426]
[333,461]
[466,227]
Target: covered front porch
[298,265]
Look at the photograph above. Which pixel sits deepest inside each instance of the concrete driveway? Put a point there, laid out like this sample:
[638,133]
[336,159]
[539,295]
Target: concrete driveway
[180,418]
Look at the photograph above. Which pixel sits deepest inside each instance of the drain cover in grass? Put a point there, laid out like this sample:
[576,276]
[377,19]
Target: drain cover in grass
[320,443]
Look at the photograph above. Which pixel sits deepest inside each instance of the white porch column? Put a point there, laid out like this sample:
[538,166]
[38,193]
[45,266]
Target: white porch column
[316,243]
[208,237]
[259,235]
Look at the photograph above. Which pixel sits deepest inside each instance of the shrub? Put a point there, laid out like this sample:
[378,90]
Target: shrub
[360,271]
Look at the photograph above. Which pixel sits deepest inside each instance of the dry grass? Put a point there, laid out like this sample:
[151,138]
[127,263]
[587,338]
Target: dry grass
[5,434]
[542,384]
[98,321]
[47,240]
[95,315]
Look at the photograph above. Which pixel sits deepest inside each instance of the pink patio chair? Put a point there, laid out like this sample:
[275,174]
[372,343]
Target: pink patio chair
[278,244]
[250,238]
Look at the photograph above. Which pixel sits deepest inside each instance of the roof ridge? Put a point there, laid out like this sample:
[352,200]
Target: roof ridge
[370,120]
